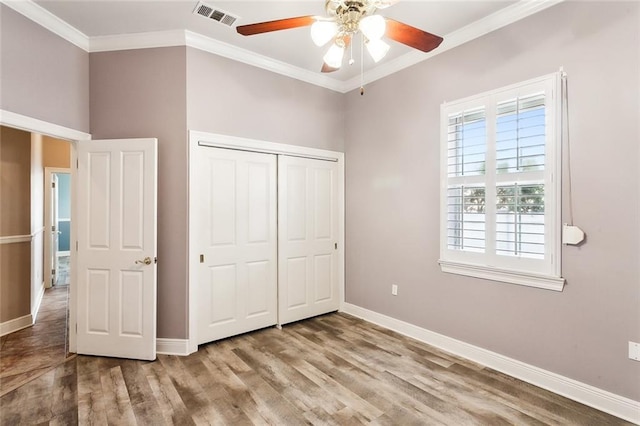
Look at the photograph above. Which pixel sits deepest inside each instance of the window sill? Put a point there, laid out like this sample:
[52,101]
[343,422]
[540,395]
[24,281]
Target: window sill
[488,273]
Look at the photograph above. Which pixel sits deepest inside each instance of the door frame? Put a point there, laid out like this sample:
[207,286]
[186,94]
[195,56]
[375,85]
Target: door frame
[48,179]
[198,139]
[34,125]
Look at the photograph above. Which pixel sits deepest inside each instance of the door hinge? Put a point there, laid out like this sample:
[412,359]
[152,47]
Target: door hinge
[53,184]
[336,246]
[76,163]
[202,258]
[53,227]
[53,272]
[76,246]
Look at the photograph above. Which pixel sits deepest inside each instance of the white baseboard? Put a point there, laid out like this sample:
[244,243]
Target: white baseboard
[172,347]
[15,324]
[608,402]
[36,307]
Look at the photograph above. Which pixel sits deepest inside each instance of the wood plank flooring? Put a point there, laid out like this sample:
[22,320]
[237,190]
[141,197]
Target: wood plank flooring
[329,370]
[33,351]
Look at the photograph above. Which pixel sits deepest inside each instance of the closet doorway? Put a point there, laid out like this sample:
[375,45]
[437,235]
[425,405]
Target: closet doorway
[266,235]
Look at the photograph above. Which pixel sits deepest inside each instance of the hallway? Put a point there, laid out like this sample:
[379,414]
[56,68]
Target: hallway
[33,351]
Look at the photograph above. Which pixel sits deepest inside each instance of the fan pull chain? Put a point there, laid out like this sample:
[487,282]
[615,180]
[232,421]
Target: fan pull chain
[362,65]
[351,60]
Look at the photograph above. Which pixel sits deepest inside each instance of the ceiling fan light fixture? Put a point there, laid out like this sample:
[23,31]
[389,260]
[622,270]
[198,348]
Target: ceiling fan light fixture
[323,31]
[333,57]
[377,49]
[373,27]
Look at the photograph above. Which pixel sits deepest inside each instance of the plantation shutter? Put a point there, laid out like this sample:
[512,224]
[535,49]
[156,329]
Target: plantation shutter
[500,203]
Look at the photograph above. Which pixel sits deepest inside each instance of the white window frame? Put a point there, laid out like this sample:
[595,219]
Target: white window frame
[543,273]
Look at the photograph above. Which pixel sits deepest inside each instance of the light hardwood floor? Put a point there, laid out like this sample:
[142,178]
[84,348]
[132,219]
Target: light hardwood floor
[333,369]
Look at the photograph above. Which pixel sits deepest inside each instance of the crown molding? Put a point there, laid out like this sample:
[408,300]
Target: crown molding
[207,44]
[495,21]
[137,41]
[48,20]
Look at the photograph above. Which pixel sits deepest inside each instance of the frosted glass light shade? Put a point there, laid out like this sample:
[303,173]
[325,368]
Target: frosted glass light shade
[373,27]
[334,55]
[377,49]
[323,31]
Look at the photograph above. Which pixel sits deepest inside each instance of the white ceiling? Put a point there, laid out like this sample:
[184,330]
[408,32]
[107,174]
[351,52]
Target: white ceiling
[104,24]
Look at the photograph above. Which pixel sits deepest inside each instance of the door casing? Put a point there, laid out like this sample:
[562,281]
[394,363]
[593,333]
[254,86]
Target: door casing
[197,139]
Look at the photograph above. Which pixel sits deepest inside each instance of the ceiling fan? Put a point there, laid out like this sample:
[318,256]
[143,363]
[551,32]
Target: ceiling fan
[345,19]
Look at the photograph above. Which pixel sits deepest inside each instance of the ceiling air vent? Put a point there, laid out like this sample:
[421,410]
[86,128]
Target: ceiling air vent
[214,13]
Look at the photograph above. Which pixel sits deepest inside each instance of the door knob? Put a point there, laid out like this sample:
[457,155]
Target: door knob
[145,261]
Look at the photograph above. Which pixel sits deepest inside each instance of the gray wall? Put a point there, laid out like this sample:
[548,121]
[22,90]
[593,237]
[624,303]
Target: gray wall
[231,98]
[41,75]
[142,93]
[392,153]
[165,92]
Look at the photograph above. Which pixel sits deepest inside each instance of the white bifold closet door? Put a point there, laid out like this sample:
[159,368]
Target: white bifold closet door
[238,238]
[307,238]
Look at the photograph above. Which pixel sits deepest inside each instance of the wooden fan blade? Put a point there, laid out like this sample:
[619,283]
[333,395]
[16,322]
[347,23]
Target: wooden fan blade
[411,36]
[280,24]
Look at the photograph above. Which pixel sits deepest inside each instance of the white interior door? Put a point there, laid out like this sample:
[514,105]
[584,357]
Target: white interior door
[117,248]
[55,232]
[238,242]
[307,238]
[51,220]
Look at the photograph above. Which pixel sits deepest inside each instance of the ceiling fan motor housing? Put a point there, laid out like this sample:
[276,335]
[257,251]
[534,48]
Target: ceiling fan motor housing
[349,13]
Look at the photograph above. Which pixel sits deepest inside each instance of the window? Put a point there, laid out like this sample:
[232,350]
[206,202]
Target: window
[500,175]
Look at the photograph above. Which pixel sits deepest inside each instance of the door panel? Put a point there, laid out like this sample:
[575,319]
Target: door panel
[323,270]
[308,236]
[296,282]
[260,202]
[324,191]
[132,199]
[222,201]
[98,175]
[132,300]
[117,247]
[257,294]
[296,201]
[97,290]
[238,271]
